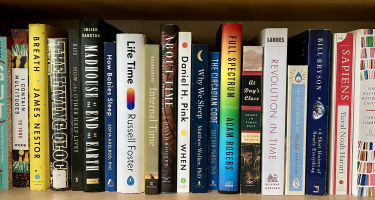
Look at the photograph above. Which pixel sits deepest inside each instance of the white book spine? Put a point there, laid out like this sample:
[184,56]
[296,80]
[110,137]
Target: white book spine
[130,66]
[273,105]
[184,120]
[295,148]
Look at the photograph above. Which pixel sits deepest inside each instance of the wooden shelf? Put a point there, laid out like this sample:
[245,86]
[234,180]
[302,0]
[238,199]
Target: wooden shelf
[21,194]
[249,10]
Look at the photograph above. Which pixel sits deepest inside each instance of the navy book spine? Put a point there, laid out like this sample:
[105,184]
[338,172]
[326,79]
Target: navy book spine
[312,48]
[213,143]
[199,118]
[110,116]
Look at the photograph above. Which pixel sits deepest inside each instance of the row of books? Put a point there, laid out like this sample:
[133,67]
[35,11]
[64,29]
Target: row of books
[265,117]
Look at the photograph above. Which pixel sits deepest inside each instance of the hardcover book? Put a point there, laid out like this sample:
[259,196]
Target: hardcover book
[251,115]
[363,176]
[20,108]
[152,106]
[274,41]
[169,82]
[76,148]
[130,118]
[110,123]
[313,48]
[5,114]
[38,104]
[183,110]
[93,33]
[58,115]
[295,148]
[213,134]
[199,118]
[229,42]
[341,118]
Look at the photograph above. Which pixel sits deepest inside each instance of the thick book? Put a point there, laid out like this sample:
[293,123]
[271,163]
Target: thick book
[20,107]
[58,90]
[229,42]
[274,41]
[251,117]
[5,114]
[213,132]
[130,72]
[295,144]
[363,122]
[38,104]
[76,149]
[93,33]
[183,112]
[110,120]
[341,116]
[152,128]
[168,120]
[199,118]
[313,48]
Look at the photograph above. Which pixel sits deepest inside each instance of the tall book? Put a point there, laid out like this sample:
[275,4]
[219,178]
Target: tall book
[76,149]
[152,106]
[199,118]
[363,139]
[213,133]
[168,121]
[295,148]
[341,117]
[58,90]
[38,104]
[313,48]
[5,114]
[110,123]
[130,71]
[274,41]
[251,117]
[229,42]
[183,110]
[93,33]
[20,107]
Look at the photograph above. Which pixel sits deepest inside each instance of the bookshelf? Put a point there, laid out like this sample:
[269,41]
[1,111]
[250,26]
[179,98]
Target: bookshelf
[202,18]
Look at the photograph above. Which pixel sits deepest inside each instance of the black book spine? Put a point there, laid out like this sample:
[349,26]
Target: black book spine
[74,112]
[92,96]
[58,114]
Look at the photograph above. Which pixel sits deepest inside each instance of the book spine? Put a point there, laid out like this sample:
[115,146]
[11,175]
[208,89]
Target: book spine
[169,79]
[341,121]
[92,82]
[152,106]
[75,105]
[251,115]
[317,47]
[273,117]
[58,116]
[296,130]
[6,114]
[20,108]
[38,106]
[131,78]
[229,136]
[213,144]
[199,118]
[363,138]
[184,108]
[110,123]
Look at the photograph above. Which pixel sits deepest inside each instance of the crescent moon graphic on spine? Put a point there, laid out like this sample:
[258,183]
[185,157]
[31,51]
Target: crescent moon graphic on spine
[199,55]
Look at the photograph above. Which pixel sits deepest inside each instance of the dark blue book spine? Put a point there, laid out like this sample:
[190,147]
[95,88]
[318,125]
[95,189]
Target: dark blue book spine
[110,116]
[312,48]
[199,118]
[213,143]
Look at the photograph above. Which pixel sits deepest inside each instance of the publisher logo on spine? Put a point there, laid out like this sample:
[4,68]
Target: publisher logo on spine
[229,184]
[130,181]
